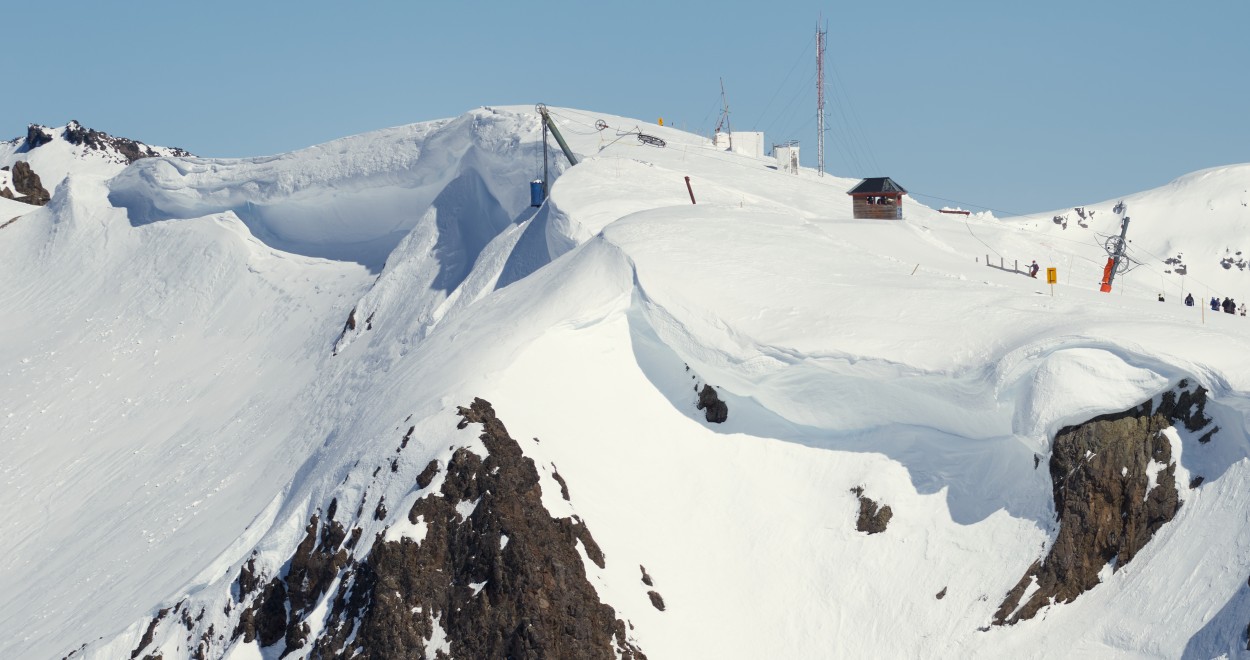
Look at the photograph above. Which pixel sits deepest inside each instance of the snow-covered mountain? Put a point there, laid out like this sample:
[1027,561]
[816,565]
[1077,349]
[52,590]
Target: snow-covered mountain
[362,399]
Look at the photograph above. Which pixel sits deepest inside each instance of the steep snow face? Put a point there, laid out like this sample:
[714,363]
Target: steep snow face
[135,363]
[874,354]
[354,199]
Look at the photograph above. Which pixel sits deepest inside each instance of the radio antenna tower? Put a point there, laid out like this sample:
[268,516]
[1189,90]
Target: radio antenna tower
[724,117]
[820,99]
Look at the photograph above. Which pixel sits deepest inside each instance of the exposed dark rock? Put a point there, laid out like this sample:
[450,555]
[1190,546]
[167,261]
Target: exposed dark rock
[646,579]
[1037,460]
[716,410]
[149,633]
[427,475]
[129,150]
[1187,406]
[1106,507]
[525,597]
[941,594]
[1196,481]
[28,185]
[279,611]
[872,519]
[36,136]
[403,444]
[564,488]
[656,599]
[379,513]
[349,326]
[6,193]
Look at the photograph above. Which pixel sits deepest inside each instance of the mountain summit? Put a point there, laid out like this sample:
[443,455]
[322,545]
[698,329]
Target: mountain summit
[256,407]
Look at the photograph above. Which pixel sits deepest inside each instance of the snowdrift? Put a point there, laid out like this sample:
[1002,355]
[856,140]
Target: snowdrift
[207,353]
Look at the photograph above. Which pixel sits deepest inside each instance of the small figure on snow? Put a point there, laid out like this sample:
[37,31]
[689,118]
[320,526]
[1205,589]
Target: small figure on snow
[1033,268]
[1215,304]
[1241,309]
[1229,306]
[1161,298]
[1189,300]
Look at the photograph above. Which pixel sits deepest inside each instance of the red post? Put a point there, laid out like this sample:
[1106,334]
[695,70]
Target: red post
[690,190]
[1106,276]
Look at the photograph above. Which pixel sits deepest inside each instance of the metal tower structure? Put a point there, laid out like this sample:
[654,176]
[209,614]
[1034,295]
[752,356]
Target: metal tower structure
[1117,262]
[820,100]
[724,116]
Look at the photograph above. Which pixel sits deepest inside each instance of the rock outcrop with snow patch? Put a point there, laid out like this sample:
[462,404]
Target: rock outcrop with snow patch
[1114,485]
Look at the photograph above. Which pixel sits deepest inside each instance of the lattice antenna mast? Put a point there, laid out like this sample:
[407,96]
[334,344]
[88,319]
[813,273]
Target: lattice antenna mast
[724,116]
[820,100]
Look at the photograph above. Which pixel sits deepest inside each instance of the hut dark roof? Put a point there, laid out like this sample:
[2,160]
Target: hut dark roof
[878,185]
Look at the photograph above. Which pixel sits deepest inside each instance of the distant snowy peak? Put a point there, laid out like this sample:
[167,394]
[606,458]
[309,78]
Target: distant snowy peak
[53,153]
[122,151]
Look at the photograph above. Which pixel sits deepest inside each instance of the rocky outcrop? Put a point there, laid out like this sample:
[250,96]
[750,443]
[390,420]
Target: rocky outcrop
[873,518]
[29,188]
[715,410]
[490,575]
[37,136]
[1114,485]
[118,149]
[128,150]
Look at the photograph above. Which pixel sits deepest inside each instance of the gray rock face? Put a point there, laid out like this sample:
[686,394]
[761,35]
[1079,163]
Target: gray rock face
[37,136]
[715,410]
[28,185]
[1107,507]
[507,581]
[129,150]
[873,518]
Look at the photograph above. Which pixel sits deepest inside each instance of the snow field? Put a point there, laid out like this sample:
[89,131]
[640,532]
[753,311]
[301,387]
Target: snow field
[175,368]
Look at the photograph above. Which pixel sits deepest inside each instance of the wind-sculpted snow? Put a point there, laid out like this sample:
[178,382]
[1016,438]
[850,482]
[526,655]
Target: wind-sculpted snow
[355,198]
[225,390]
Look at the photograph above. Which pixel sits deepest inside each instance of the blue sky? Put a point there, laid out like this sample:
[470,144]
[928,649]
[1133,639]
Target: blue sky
[1019,108]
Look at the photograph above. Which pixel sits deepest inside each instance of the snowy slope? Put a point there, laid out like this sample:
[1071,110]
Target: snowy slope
[183,392]
[1193,226]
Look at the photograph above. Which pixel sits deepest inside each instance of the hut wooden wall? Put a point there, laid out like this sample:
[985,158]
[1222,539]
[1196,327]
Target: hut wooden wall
[862,209]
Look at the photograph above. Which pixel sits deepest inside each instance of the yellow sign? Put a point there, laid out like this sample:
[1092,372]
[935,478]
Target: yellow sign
[1052,275]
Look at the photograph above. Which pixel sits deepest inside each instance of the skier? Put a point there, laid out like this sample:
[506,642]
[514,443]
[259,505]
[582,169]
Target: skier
[1215,304]
[1241,309]
[1189,300]
[1033,269]
[1230,307]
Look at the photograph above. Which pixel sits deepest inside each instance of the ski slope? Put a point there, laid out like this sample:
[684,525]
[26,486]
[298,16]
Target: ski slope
[183,388]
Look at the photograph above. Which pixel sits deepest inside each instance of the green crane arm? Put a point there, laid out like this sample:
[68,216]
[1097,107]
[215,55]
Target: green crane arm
[568,153]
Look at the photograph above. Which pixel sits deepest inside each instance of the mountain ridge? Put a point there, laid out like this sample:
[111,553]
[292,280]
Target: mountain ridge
[844,351]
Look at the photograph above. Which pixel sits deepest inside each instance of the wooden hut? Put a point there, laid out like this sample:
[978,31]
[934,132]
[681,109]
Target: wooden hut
[878,198]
